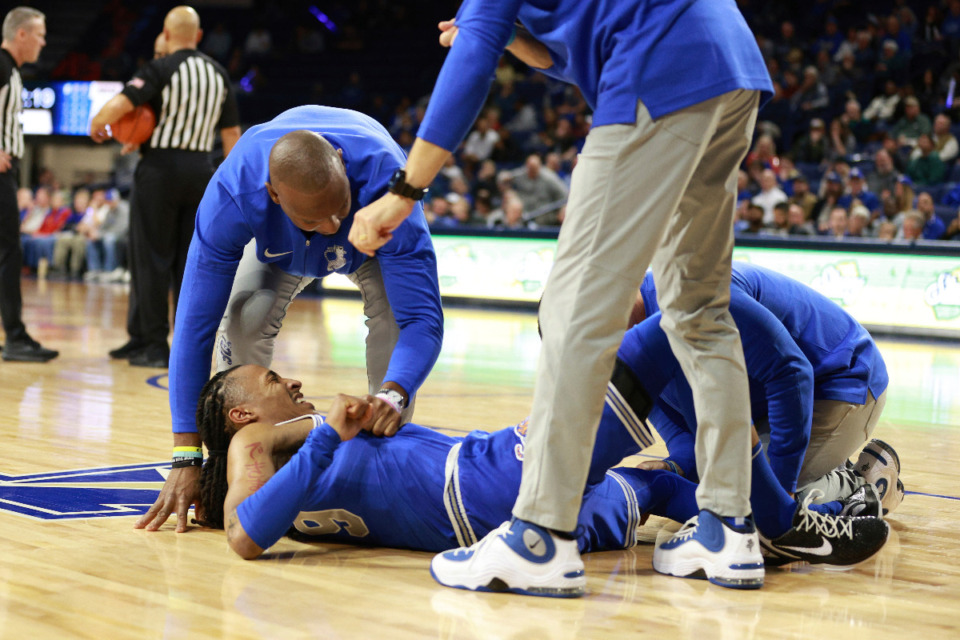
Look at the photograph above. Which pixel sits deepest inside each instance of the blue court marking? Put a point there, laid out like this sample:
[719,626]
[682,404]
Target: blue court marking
[155,382]
[83,493]
[930,495]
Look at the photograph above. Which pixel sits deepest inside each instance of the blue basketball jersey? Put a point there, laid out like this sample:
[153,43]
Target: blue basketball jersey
[425,490]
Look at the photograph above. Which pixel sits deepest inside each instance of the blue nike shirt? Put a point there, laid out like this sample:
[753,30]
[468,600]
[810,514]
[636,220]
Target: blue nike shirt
[236,208]
[671,54]
[798,346]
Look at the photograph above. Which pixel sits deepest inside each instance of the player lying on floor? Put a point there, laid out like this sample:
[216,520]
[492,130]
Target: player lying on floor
[817,386]
[274,464]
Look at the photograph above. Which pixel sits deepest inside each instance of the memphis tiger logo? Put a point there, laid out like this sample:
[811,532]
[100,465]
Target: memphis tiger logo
[101,492]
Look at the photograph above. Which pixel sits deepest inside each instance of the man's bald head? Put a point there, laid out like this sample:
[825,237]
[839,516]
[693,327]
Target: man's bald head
[309,181]
[305,161]
[182,28]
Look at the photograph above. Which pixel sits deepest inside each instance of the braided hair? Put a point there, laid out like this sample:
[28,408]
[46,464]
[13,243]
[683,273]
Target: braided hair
[218,395]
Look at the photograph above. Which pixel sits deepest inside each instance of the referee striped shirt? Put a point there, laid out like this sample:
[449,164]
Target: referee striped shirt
[11,104]
[191,96]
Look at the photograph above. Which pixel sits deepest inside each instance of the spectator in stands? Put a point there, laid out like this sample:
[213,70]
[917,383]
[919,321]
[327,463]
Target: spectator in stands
[541,191]
[832,191]
[770,194]
[887,231]
[36,213]
[744,192]
[882,107]
[857,192]
[787,174]
[927,168]
[953,230]
[837,227]
[555,162]
[218,43]
[943,140]
[510,215]
[912,226]
[951,21]
[259,42]
[105,234]
[842,141]
[780,226]
[479,144]
[38,248]
[802,196]
[798,223]
[859,126]
[892,63]
[912,125]
[812,97]
[933,226]
[883,179]
[24,201]
[765,152]
[64,247]
[813,147]
[858,222]
[890,145]
[904,193]
[751,221]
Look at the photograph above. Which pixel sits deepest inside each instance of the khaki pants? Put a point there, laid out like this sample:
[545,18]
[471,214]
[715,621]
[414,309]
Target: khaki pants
[661,191]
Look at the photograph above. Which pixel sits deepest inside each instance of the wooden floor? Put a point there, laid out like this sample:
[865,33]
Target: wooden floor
[94,576]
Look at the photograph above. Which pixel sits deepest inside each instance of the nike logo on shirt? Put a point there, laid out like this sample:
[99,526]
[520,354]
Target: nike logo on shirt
[267,254]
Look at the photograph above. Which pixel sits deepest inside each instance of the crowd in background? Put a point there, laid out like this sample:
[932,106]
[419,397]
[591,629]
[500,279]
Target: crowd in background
[859,140]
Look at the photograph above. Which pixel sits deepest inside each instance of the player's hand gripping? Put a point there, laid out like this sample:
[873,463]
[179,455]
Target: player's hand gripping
[386,419]
[181,490]
[349,415]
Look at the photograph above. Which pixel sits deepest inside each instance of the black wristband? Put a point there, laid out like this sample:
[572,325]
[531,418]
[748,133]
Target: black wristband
[180,463]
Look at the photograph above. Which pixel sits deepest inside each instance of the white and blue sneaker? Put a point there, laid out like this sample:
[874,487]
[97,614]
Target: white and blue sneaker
[879,465]
[706,546]
[516,557]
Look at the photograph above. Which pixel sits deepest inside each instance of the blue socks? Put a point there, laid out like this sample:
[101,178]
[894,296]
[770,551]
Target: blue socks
[773,508]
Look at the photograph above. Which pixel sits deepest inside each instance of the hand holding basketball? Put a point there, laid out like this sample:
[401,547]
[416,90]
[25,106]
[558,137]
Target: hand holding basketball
[135,127]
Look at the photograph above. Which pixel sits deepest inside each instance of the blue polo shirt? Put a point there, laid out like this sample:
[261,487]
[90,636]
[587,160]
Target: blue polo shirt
[670,54]
[236,209]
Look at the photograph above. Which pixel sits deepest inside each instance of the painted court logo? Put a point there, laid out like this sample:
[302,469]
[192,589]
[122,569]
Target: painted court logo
[103,492]
[943,296]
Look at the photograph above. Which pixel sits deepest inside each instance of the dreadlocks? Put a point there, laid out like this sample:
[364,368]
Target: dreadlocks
[218,393]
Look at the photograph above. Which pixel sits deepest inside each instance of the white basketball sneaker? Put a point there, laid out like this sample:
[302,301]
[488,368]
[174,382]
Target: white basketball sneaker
[517,557]
[879,465]
[708,547]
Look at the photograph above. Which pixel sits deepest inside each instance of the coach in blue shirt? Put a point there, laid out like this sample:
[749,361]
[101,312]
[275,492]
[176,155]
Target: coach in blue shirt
[275,216]
[817,379]
[674,86]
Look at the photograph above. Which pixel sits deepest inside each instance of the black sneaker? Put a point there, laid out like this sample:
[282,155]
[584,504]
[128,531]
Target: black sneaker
[156,356]
[819,538]
[864,503]
[28,350]
[131,349]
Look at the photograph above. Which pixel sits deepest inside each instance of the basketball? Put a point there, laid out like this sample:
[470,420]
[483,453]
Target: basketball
[136,127]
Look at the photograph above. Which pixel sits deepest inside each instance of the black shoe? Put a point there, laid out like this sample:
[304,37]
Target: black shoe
[819,538]
[864,503]
[28,350]
[155,356]
[132,349]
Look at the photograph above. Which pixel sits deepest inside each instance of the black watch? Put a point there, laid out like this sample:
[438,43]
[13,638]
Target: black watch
[398,185]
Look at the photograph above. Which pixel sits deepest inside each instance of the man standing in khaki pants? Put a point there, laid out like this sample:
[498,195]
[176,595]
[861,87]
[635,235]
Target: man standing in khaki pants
[675,86]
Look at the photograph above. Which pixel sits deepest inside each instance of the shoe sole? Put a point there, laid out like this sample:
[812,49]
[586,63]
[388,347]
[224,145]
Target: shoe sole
[496,585]
[695,570]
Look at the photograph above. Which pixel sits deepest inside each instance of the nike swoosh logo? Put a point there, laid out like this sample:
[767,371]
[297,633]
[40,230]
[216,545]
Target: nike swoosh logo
[824,549]
[267,254]
[536,544]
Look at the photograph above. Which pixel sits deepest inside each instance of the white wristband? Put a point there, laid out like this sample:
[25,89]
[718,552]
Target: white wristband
[392,398]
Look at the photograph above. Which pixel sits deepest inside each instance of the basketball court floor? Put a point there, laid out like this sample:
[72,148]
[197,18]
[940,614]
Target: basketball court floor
[86,442]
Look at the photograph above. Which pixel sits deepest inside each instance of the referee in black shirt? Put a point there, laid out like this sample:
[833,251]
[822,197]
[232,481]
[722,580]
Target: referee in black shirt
[192,98]
[24,34]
